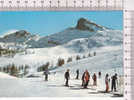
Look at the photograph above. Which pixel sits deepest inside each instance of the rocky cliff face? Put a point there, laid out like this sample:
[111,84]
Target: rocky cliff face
[86,25]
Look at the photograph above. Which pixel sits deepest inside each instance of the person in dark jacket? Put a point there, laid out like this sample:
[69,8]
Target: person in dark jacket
[46,72]
[94,53]
[114,82]
[77,74]
[99,74]
[67,76]
[83,79]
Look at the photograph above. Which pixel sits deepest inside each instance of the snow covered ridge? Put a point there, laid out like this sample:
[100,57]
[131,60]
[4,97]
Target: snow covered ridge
[83,29]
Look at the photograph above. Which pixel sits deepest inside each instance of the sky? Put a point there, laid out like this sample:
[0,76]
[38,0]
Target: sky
[50,22]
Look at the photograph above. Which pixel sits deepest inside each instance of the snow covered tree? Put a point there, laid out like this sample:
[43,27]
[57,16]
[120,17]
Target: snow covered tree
[84,56]
[78,57]
[19,68]
[94,53]
[4,69]
[14,71]
[0,69]
[22,67]
[89,55]
[43,67]
[26,69]
[0,53]
[60,62]
[69,59]
[8,69]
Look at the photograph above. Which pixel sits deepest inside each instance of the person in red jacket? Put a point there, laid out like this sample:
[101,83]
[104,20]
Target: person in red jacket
[94,80]
[86,78]
[107,82]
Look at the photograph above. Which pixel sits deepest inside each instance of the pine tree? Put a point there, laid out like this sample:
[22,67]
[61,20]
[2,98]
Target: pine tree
[60,62]
[69,59]
[84,56]
[94,53]
[78,57]
[89,55]
[0,69]
[14,71]
[26,69]
[43,67]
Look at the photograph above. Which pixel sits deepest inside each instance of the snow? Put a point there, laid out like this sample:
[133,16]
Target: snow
[107,44]
[5,76]
[37,56]
[9,32]
[107,62]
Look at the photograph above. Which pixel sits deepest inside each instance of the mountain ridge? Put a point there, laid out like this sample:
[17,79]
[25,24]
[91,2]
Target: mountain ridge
[83,29]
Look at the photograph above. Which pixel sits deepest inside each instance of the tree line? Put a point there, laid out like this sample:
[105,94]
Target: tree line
[61,61]
[13,70]
[20,71]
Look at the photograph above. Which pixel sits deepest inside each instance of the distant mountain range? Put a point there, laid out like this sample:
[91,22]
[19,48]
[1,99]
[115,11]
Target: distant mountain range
[85,32]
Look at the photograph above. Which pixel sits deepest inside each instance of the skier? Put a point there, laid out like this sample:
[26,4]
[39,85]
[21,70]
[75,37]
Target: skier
[86,78]
[94,53]
[46,72]
[77,72]
[94,80]
[107,82]
[83,79]
[114,82]
[99,74]
[67,76]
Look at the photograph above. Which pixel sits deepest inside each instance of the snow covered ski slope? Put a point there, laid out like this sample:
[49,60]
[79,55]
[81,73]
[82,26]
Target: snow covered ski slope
[90,46]
[106,62]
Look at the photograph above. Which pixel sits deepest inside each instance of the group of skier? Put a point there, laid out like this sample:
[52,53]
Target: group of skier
[86,79]
[114,82]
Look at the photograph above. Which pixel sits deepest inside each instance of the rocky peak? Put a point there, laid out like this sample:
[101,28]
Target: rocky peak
[18,34]
[85,25]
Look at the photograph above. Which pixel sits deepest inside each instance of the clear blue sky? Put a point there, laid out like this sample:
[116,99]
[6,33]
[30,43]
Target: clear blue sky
[45,22]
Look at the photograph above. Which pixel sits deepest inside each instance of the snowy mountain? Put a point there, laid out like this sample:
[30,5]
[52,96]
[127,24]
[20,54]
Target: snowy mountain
[99,39]
[85,38]
[97,35]
[18,38]
[86,25]
[83,29]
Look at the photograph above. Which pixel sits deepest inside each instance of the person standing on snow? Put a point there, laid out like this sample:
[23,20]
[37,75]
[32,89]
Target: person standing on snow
[77,72]
[67,76]
[99,74]
[107,82]
[94,80]
[46,72]
[83,79]
[86,78]
[94,53]
[114,82]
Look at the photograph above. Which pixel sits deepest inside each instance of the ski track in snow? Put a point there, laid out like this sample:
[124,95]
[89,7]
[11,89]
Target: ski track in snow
[37,87]
[106,62]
